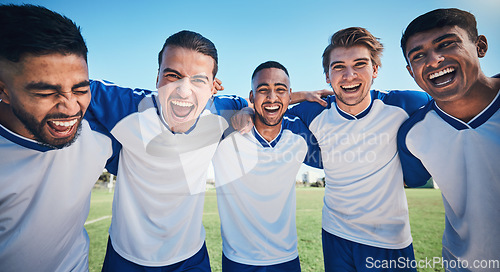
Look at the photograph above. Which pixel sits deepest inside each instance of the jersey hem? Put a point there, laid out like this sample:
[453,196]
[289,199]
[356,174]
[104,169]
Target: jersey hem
[155,264]
[260,263]
[370,243]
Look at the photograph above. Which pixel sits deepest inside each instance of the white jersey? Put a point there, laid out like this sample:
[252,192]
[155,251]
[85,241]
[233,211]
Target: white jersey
[365,201]
[160,186]
[255,181]
[463,159]
[45,200]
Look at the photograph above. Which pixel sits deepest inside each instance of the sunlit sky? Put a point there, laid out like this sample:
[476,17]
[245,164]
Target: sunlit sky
[124,37]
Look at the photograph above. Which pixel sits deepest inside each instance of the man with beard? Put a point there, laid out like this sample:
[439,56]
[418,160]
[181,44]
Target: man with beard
[51,155]
[255,179]
[365,213]
[456,137]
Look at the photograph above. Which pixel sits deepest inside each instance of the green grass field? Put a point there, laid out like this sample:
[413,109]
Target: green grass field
[426,218]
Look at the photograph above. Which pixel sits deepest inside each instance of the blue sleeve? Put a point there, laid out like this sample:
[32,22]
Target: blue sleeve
[112,163]
[111,103]
[410,101]
[313,156]
[307,111]
[227,105]
[414,172]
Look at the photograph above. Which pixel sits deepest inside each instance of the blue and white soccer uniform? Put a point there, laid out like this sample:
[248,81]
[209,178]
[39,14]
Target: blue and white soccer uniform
[364,198]
[463,159]
[45,200]
[255,181]
[159,194]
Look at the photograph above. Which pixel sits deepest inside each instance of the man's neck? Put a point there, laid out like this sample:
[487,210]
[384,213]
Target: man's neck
[355,109]
[480,95]
[267,132]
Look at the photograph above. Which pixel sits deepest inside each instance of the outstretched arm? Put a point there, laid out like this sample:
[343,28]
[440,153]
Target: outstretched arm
[312,96]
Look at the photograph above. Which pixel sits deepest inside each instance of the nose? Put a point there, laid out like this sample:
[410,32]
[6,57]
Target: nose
[184,87]
[68,104]
[271,96]
[434,59]
[349,73]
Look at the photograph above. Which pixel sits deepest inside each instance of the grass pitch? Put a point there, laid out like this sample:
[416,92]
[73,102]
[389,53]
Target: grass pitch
[426,219]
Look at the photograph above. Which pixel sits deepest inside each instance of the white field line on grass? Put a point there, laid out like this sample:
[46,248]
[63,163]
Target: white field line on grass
[97,220]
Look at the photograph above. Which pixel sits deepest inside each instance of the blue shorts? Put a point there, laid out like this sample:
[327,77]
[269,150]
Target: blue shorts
[230,266]
[114,262]
[344,255]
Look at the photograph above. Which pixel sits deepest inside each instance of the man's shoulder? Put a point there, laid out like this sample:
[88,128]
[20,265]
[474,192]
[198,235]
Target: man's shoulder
[417,117]
[408,100]
[227,102]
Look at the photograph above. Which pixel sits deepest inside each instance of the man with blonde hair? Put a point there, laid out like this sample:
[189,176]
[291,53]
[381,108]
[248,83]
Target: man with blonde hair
[365,213]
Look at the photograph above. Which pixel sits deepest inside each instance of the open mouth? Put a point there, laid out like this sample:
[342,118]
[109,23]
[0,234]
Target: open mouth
[351,88]
[181,108]
[272,109]
[62,129]
[443,77]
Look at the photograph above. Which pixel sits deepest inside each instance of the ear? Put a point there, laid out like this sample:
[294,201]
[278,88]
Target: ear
[213,90]
[327,78]
[290,94]
[409,70]
[157,79]
[481,46]
[375,71]
[4,93]
[250,96]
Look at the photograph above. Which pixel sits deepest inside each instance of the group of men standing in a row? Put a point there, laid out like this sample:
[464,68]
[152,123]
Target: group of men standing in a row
[58,129]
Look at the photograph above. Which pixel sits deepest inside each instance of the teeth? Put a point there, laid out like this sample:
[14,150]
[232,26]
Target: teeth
[442,72]
[65,123]
[351,86]
[272,108]
[182,103]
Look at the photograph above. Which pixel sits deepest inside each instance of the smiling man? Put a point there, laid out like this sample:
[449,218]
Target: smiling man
[51,156]
[456,137]
[168,140]
[365,213]
[255,179]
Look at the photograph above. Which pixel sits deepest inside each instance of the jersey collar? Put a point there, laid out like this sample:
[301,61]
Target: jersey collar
[23,141]
[263,141]
[360,115]
[477,121]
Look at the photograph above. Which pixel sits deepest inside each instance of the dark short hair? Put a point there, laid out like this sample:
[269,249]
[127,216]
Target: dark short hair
[193,41]
[440,18]
[35,30]
[267,65]
[353,36]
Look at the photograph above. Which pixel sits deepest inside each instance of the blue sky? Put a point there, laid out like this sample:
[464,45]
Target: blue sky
[124,37]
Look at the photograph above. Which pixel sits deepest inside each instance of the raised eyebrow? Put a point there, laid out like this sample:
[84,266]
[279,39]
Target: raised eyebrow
[418,48]
[262,84]
[335,62]
[170,70]
[281,84]
[200,76]
[40,86]
[84,83]
[362,59]
[445,36]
